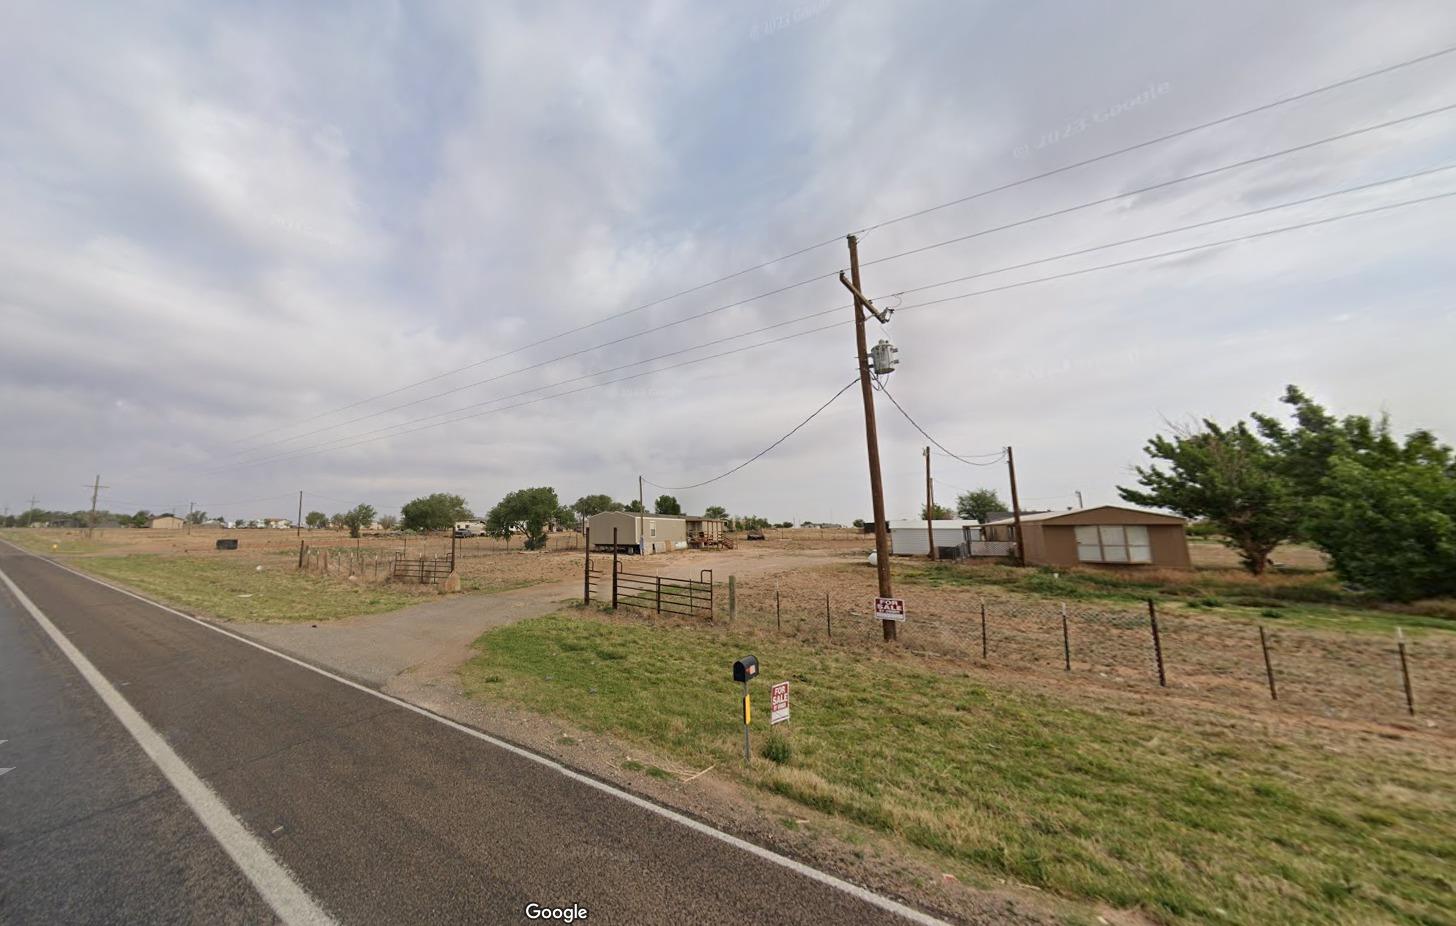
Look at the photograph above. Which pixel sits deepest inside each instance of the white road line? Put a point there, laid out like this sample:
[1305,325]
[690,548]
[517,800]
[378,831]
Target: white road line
[4,770]
[274,882]
[854,890]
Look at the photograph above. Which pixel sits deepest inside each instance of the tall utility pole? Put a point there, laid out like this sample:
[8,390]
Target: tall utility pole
[298,525]
[1079,499]
[929,505]
[190,507]
[1016,508]
[872,439]
[96,488]
[30,512]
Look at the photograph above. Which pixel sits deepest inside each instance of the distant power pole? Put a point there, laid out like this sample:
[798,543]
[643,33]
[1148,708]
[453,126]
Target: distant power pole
[872,438]
[1016,508]
[30,512]
[298,525]
[190,507]
[96,488]
[1079,499]
[929,505]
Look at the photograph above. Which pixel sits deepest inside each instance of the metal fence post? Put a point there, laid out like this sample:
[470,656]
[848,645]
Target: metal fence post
[659,594]
[732,600]
[1157,643]
[828,625]
[614,569]
[1066,639]
[778,614]
[983,630]
[586,572]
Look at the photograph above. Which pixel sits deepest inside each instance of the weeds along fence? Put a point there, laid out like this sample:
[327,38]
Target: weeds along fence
[374,565]
[1335,674]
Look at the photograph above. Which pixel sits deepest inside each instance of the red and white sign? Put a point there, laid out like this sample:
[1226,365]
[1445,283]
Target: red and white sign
[779,703]
[890,609]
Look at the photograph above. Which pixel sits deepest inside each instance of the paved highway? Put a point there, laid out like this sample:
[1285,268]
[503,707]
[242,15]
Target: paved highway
[162,770]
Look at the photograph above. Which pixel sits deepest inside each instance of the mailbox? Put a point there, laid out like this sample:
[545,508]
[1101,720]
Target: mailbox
[745,669]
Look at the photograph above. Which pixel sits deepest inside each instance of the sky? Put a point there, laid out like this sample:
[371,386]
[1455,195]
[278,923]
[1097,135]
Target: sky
[248,250]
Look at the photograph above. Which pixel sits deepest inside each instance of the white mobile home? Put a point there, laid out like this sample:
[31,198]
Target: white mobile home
[638,533]
[911,538]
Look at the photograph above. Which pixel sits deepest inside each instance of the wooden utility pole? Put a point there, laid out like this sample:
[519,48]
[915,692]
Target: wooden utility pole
[929,505]
[1079,498]
[30,512]
[872,439]
[298,525]
[96,488]
[1016,508]
[190,506]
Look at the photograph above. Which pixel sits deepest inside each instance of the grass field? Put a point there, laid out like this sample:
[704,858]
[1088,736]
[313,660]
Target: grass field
[1212,818]
[234,589]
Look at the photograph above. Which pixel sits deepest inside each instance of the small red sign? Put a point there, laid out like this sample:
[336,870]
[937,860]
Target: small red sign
[890,609]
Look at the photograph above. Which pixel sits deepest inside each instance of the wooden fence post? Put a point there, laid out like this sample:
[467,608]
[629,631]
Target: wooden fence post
[983,630]
[302,546]
[732,599]
[1268,665]
[1157,643]
[1410,700]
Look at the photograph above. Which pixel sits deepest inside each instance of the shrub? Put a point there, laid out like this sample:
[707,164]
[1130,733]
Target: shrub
[777,749]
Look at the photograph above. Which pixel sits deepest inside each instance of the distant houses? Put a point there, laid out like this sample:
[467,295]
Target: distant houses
[167,522]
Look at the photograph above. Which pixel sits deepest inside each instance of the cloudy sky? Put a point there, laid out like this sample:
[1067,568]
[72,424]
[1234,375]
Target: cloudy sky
[231,235]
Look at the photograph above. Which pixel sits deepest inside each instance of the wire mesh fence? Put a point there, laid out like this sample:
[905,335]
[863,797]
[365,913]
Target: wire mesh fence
[1336,674]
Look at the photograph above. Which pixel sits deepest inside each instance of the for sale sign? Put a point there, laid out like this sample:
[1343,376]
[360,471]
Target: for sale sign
[890,609]
[779,703]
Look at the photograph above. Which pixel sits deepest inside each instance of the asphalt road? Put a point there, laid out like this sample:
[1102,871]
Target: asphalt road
[378,812]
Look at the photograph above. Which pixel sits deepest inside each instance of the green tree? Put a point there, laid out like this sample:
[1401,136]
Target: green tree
[524,511]
[358,518]
[316,519]
[1228,476]
[716,511]
[196,517]
[388,521]
[588,505]
[977,504]
[666,504]
[940,513]
[436,512]
[1389,528]
[635,507]
[336,521]
[140,519]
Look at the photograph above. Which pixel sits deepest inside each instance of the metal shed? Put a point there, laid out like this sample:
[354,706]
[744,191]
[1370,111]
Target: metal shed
[910,537]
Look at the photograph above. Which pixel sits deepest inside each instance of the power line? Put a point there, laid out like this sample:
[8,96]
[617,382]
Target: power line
[1254,235]
[1199,175]
[765,450]
[1410,62]
[1172,135]
[879,384]
[922,249]
[1179,251]
[557,395]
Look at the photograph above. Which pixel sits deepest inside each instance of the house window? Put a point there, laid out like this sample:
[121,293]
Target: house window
[1113,543]
[653,525]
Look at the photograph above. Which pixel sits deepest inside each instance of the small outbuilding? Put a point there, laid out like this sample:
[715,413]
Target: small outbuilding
[911,537]
[638,533]
[704,531]
[1106,535]
[167,522]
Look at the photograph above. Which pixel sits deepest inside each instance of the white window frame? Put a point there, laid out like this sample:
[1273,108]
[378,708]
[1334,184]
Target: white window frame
[1113,543]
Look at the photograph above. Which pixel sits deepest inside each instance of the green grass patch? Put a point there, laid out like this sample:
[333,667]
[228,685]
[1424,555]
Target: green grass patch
[1188,821]
[234,589]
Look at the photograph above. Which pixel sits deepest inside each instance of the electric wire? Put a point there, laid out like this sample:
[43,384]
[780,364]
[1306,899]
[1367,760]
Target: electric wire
[879,385]
[922,249]
[987,291]
[1265,107]
[761,453]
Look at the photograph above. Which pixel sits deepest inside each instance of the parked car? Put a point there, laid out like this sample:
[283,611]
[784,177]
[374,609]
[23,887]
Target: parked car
[754,535]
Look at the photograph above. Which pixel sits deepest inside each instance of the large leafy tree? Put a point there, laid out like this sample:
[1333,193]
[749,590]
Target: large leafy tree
[635,507]
[976,504]
[666,504]
[588,505]
[358,518]
[1226,475]
[937,513]
[316,519]
[524,511]
[716,511]
[435,512]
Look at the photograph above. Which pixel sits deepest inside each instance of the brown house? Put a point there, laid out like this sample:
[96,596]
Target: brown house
[1107,535]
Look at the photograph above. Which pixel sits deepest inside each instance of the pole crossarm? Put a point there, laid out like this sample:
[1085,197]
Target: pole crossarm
[883,317]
